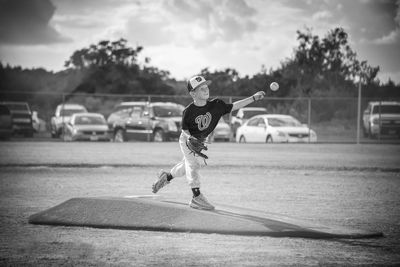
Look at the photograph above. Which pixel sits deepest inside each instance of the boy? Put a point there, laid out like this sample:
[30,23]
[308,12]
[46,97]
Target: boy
[199,120]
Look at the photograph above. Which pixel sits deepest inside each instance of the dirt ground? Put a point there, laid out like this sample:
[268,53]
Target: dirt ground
[354,186]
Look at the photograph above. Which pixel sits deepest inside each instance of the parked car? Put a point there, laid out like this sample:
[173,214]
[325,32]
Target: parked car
[222,131]
[21,118]
[123,111]
[62,116]
[381,117]
[243,114]
[157,121]
[271,128]
[87,126]
[5,122]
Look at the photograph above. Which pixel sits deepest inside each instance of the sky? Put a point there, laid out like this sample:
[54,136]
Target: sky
[186,36]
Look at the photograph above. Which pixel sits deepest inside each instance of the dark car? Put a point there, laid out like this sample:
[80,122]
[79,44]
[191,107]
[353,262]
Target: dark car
[21,118]
[157,121]
[5,122]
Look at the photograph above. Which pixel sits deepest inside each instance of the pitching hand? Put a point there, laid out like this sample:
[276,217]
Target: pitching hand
[259,95]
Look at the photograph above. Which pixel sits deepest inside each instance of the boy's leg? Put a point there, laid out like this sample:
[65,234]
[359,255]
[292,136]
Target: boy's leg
[193,165]
[164,177]
[179,169]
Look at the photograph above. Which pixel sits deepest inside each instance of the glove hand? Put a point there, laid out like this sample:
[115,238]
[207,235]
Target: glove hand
[259,95]
[196,146]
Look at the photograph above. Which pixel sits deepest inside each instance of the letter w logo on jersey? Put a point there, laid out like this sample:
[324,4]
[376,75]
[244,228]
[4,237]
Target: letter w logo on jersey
[203,121]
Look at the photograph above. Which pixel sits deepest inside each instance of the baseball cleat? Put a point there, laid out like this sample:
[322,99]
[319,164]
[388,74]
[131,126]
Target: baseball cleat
[200,202]
[161,181]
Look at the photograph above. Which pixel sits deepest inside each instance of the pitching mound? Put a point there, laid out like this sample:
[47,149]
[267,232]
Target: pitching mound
[157,214]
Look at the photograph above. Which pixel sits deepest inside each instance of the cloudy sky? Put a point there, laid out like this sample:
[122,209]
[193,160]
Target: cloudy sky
[185,36]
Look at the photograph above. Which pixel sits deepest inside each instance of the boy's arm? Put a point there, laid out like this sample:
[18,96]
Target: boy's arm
[244,102]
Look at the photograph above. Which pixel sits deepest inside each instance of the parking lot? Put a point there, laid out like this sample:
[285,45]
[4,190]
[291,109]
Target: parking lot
[330,184]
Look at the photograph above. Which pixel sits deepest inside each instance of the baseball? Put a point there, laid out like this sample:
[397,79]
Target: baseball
[274,86]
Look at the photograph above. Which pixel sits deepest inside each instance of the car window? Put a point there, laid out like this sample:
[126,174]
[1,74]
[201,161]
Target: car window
[136,112]
[70,112]
[167,111]
[386,109]
[282,122]
[89,120]
[253,122]
[261,123]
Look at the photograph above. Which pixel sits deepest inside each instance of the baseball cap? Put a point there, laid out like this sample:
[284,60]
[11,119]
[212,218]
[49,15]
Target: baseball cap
[195,82]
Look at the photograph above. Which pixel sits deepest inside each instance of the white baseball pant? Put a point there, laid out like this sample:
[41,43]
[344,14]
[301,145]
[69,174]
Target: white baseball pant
[190,165]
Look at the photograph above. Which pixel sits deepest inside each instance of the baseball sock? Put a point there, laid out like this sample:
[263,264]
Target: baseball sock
[169,177]
[196,191]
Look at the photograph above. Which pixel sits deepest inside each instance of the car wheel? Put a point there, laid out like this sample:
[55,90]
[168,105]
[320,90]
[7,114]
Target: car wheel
[242,139]
[119,136]
[28,133]
[370,134]
[53,132]
[67,137]
[269,139]
[158,136]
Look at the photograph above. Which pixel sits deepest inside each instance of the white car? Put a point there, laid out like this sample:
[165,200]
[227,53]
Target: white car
[274,128]
[221,132]
[87,126]
[243,114]
[62,116]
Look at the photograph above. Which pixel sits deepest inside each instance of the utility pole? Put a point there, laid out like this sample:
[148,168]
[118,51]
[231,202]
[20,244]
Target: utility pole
[359,111]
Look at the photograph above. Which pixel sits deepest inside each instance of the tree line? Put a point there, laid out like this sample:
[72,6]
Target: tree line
[318,67]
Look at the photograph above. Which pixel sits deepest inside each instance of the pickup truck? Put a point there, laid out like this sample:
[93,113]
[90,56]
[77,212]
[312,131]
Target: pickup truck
[21,117]
[381,118]
[62,116]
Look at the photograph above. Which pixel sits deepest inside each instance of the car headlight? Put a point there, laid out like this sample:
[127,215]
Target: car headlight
[172,126]
[375,121]
[75,131]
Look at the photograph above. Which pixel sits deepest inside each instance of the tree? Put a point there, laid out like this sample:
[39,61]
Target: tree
[223,81]
[327,66]
[104,53]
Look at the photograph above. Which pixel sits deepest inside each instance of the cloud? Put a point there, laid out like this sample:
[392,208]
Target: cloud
[206,22]
[320,15]
[392,38]
[28,22]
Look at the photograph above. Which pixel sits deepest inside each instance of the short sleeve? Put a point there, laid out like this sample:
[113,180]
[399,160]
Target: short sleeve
[225,108]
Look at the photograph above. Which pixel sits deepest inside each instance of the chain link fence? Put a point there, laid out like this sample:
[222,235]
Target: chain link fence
[335,120]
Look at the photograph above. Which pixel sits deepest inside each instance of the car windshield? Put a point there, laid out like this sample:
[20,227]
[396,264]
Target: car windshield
[283,122]
[250,113]
[69,112]
[386,109]
[167,111]
[89,120]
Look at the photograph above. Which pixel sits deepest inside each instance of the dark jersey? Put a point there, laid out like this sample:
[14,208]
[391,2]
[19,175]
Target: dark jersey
[201,121]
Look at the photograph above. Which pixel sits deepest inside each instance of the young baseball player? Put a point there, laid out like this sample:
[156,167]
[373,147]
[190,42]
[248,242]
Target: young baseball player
[199,120]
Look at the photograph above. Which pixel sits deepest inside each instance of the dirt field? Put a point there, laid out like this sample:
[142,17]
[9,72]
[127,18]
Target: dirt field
[354,186]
